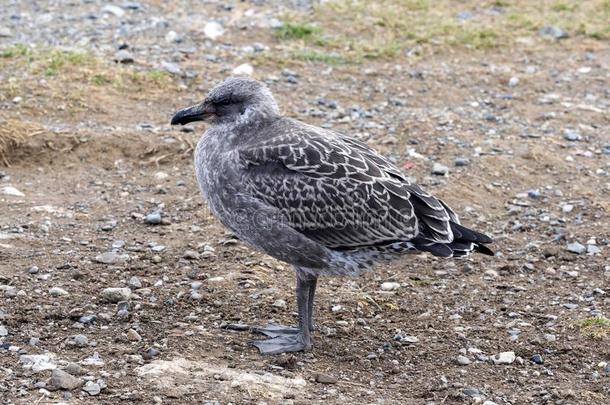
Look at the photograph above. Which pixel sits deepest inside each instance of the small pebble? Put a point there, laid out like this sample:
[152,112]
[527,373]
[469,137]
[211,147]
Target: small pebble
[571,135]
[111,258]
[134,282]
[87,319]
[325,378]
[536,358]
[592,249]
[116,295]
[551,31]
[439,169]
[576,247]
[11,191]
[92,388]
[549,337]
[78,341]
[191,255]
[133,335]
[390,286]
[460,162]
[58,292]
[280,304]
[171,68]
[154,218]
[123,56]
[150,353]
[504,358]
[471,391]
[213,30]
[245,69]
[534,194]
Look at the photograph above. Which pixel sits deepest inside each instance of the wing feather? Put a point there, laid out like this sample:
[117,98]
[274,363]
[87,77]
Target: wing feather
[338,191]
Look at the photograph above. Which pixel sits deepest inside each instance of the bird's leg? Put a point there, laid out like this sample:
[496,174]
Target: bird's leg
[312,292]
[274,330]
[287,339]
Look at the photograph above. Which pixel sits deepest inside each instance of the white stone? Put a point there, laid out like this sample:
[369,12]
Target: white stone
[94,360]
[171,36]
[390,286]
[161,176]
[279,304]
[179,376]
[115,10]
[92,388]
[244,69]
[213,30]
[504,358]
[38,362]
[12,191]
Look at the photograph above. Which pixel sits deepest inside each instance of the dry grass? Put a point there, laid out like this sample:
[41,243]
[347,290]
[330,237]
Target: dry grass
[74,81]
[358,30]
[596,327]
[13,133]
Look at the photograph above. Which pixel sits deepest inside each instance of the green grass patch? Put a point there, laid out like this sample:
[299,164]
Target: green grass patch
[13,51]
[294,30]
[58,59]
[484,38]
[564,6]
[596,327]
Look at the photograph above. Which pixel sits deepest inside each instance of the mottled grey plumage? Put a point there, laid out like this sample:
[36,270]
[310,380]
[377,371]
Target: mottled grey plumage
[323,202]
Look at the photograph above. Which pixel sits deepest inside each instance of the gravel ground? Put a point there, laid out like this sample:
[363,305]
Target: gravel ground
[118,286]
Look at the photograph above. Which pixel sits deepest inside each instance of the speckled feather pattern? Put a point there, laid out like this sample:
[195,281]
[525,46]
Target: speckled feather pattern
[315,198]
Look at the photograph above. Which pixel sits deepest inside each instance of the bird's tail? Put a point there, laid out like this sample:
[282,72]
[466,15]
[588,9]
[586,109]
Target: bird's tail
[465,241]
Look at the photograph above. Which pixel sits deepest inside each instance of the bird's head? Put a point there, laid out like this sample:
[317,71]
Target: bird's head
[234,100]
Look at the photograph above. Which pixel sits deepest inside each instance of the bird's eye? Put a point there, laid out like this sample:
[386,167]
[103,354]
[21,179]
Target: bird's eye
[224,101]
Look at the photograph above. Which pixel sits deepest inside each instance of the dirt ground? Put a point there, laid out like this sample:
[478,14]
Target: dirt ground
[93,155]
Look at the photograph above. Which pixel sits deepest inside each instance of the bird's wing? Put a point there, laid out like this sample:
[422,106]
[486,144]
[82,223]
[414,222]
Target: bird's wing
[338,191]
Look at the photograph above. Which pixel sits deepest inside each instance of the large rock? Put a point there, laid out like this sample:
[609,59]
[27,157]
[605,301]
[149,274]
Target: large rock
[116,294]
[62,380]
[180,377]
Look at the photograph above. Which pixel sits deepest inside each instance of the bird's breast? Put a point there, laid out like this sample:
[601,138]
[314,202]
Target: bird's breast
[217,176]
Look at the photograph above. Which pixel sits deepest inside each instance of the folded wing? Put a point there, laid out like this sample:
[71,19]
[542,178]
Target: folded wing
[339,192]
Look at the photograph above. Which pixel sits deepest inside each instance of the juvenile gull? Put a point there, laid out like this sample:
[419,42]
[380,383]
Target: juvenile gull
[321,201]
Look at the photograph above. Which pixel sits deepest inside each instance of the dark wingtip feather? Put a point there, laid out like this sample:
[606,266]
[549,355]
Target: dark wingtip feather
[469,235]
[484,250]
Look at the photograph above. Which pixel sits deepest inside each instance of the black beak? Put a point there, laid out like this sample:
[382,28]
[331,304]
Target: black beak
[199,112]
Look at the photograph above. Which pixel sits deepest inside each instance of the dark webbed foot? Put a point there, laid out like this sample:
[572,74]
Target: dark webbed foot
[274,330]
[285,343]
